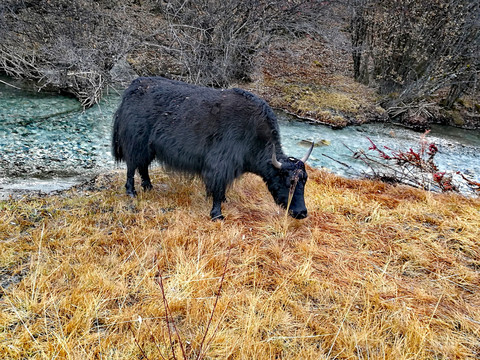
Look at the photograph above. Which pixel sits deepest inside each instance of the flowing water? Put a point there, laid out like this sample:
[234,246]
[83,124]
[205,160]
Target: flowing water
[48,143]
[458,148]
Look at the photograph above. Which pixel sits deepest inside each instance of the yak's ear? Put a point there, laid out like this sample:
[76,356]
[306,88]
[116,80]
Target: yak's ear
[275,162]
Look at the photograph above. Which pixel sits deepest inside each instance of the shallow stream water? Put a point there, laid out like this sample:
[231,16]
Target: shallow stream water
[48,143]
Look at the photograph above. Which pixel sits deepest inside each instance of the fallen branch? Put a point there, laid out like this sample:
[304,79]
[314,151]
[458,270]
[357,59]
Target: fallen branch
[13,86]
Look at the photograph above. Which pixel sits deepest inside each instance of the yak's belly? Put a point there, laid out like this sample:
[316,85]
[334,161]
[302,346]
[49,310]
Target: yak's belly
[177,156]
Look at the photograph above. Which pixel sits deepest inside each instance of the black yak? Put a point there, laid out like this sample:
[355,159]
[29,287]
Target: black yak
[216,134]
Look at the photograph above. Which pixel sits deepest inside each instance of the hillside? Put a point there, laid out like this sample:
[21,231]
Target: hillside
[376,271]
[312,79]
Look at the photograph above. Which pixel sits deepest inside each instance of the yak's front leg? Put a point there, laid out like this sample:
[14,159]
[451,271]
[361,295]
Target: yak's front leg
[216,188]
[216,213]
[218,195]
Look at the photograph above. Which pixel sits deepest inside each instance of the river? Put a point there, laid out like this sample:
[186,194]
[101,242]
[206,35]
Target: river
[48,143]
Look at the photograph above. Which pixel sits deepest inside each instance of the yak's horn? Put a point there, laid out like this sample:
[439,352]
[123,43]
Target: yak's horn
[275,162]
[307,155]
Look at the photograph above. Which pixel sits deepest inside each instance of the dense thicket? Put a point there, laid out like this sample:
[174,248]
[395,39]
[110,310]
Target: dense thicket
[411,49]
[81,46]
[216,40]
[66,45]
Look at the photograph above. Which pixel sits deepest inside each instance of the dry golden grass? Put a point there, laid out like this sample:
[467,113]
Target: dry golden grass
[375,272]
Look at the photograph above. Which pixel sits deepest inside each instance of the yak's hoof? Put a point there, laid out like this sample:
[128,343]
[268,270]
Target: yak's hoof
[218,217]
[132,193]
[147,186]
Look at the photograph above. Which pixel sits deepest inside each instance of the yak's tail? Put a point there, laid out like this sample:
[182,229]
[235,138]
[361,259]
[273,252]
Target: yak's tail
[117,151]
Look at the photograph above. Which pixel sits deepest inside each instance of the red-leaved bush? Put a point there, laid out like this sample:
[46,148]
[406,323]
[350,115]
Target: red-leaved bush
[415,167]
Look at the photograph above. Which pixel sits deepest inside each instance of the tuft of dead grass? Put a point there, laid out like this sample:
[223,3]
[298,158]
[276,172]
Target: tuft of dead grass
[376,271]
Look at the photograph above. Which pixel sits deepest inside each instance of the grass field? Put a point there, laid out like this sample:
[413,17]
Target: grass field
[375,272]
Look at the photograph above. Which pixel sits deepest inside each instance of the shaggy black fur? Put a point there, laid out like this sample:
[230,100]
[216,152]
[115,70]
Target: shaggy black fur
[216,134]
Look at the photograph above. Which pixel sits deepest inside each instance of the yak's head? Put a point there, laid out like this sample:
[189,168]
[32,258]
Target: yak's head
[288,183]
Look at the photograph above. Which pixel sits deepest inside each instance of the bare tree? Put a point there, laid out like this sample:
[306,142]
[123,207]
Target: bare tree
[411,49]
[66,45]
[216,41]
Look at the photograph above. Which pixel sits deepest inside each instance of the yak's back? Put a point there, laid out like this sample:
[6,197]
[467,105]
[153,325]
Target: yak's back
[178,110]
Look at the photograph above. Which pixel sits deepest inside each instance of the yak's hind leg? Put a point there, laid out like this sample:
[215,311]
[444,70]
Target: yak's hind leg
[130,184]
[146,183]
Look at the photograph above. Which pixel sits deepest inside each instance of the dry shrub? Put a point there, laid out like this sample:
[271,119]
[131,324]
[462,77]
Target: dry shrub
[375,271]
[401,48]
